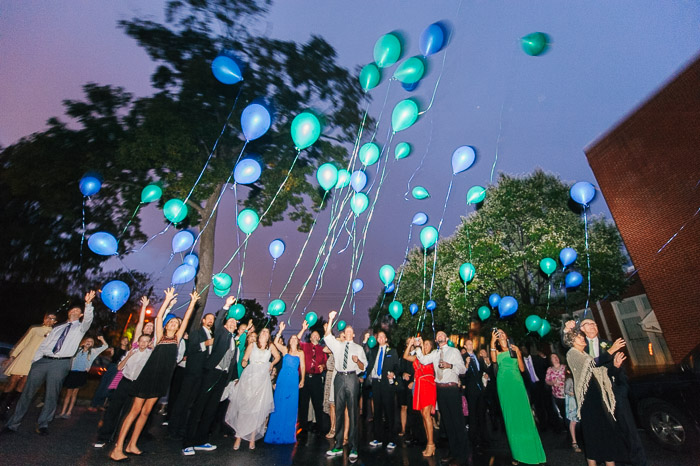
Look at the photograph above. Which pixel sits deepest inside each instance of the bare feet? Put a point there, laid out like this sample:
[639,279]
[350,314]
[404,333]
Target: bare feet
[237,444]
[117,455]
[251,445]
[133,450]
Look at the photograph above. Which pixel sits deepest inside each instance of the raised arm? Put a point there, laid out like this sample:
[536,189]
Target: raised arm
[407,352]
[122,363]
[331,318]
[304,326]
[142,318]
[194,297]
[89,313]
[221,315]
[278,339]
[170,295]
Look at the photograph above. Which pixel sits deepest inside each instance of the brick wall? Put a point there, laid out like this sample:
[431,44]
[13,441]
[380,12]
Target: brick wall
[648,169]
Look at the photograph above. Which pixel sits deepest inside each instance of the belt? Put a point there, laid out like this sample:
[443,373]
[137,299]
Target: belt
[345,373]
[446,385]
[55,358]
[311,375]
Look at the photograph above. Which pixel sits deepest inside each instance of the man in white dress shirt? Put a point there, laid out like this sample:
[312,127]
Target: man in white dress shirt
[449,365]
[350,360]
[51,364]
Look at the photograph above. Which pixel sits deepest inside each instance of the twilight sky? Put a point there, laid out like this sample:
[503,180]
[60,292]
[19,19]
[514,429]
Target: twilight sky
[605,59]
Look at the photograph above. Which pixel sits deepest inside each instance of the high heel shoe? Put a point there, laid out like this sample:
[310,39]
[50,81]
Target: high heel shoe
[429,450]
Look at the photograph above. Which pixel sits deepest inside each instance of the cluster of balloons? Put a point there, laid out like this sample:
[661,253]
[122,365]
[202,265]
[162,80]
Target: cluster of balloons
[535,323]
[507,306]
[222,284]
[187,270]
[567,256]
[115,294]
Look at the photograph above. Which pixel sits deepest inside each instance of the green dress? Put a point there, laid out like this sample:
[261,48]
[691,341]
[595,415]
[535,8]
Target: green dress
[525,443]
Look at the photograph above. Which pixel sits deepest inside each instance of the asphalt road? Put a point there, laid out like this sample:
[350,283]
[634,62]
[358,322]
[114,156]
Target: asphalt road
[70,443]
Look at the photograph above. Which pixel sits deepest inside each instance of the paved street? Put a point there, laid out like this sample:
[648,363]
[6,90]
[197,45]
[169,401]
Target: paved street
[70,443]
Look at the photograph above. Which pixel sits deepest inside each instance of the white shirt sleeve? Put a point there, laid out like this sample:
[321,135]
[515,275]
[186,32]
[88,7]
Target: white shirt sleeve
[454,357]
[426,359]
[88,315]
[332,344]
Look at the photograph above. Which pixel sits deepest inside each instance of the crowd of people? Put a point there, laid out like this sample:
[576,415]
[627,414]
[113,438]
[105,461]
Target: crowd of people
[226,375]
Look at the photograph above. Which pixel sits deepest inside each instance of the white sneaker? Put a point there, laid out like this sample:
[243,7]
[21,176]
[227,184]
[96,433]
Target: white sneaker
[390,446]
[205,447]
[335,452]
[99,444]
[164,423]
[353,456]
[189,451]
[375,443]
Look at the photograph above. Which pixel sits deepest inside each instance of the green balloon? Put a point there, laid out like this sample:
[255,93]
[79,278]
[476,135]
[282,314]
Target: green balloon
[175,210]
[387,274]
[450,343]
[411,71]
[222,281]
[548,266]
[533,322]
[387,50]
[305,130]
[341,325]
[476,194]
[544,328]
[343,178]
[428,236]
[419,192]
[311,318]
[327,176]
[403,150]
[370,77]
[237,311]
[535,43]
[484,312]
[467,272]
[396,309]
[151,193]
[359,203]
[248,221]
[276,307]
[221,292]
[369,154]
[371,342]
[404,115]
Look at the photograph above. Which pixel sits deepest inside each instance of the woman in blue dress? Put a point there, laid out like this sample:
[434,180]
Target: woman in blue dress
[282,426]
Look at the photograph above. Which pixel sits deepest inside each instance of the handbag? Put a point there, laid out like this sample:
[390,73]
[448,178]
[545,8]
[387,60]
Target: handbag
[465,406]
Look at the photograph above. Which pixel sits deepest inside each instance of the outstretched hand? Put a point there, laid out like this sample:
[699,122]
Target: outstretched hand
[569,325]
[89,296]
[304,325]
[194,296]
[282,326]
[331,315]
[170,294]
[617,346]
[144,301]
[619,359]
[230,301]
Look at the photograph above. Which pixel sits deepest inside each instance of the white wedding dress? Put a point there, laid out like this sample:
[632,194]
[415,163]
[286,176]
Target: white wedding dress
[251,400]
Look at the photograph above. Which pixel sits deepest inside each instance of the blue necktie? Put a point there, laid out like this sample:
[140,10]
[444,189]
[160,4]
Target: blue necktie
[381,361]
[476,362]
[61,339]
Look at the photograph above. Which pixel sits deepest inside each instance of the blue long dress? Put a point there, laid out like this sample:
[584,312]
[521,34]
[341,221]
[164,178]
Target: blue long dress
[282,426]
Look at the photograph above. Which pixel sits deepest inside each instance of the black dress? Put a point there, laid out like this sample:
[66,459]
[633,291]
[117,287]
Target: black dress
[154,380]
[603,439]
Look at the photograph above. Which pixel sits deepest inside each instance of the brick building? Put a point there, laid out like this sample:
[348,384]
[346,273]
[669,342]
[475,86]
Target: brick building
[648,169]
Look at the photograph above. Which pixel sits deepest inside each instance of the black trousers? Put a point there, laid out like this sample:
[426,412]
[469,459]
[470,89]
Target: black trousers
[312,390]
[185,398]
[174,392]
[477,416]
[449,401]
[384,396]
[204,409]
[119,404]
[346,388]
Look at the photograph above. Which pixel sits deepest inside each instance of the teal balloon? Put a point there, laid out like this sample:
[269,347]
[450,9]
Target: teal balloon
[151,193]
[544,329]
[311,318]
[276,307]
[476,194]
[387,50]
[359,203]
[305,130]
[222,281]
[237,311]
[484,312]
[402,150]
[535,43]
[369,154]
[533,322]
[404,115]
[428,236]
[410,71]
[343,178]
[341,325]
[370,77]
[221,292]
[419,192]
[548,266]
[396,309]
[175,210]
[467,272]
[327,176]
[248,221]
[450,343]
[387,274]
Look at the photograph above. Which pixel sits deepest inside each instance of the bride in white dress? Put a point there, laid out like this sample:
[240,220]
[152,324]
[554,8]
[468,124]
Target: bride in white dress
[251,400]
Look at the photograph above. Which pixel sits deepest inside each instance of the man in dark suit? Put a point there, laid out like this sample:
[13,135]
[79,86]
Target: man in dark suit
[383,365]
[198,349]
[474,392]
[219,369]
[534,376]
[493,406]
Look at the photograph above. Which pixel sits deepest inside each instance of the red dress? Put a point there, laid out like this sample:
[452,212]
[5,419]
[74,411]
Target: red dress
[424,391]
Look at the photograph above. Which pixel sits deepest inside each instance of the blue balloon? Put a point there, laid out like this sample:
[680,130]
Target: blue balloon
[410,87]
[247,171]
[582,192]
[89,185]
[567,256]
[182,241]
[276,248]
[226,68]
[183,274]
[430,305]
[103,243]
[358,180]
[167,318]
[462,158]
[357,285]
[413,308]
[573,279]
[389,288]
[255,121]
[115,294]
[507,306]
[421,218]
[494,300]
[431,39]
[191,259]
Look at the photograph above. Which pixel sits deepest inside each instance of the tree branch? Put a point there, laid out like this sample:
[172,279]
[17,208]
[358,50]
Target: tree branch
[195,206]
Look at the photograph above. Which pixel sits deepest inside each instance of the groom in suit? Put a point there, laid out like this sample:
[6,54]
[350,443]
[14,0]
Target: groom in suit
[474,392]
[382,369]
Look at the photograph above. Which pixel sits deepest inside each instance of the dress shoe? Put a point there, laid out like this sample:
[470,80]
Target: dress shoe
[42,430]
[446,460]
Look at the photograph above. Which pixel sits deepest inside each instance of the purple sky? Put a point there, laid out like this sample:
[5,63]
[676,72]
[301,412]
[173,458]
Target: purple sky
[605,59]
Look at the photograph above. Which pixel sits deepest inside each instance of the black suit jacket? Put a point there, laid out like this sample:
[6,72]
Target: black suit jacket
[472,378]
[195,356]
[222,343]
[390,364]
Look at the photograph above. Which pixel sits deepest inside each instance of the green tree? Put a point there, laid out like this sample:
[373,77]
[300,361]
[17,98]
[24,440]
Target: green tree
[521,221]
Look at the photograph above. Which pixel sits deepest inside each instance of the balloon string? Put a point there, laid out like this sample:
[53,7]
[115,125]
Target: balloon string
[379,311]
[422,160]
[240,280]
[405,258]
[82,239]
[506,97]
[442,218]
[352,273]
[425,271]
[549,294]
[127,268]
[437,83]
[469,242]
[129,222]
[238,230]
[272,274]
[588,259]
[381,111]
